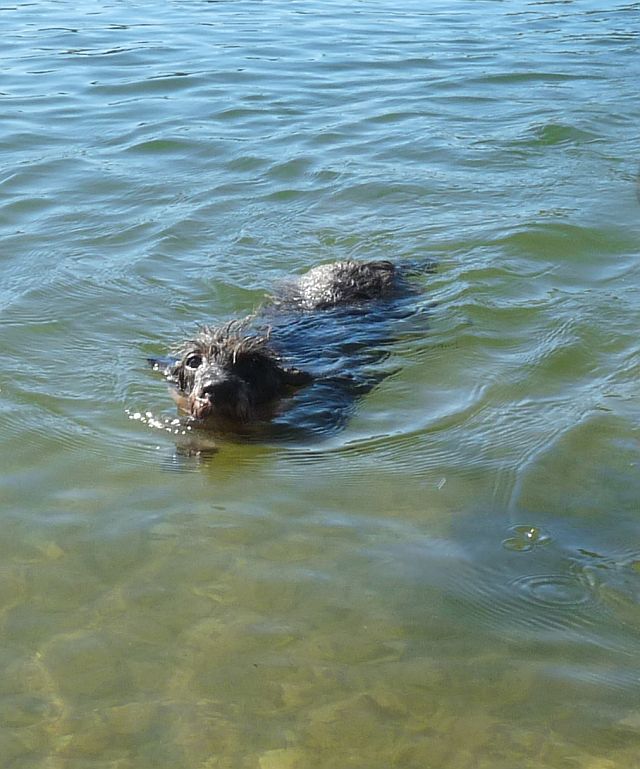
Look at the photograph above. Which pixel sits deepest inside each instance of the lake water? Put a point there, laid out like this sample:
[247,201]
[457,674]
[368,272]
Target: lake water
[451,580]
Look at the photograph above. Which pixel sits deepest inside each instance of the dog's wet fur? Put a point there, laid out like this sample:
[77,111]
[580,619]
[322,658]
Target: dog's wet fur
[231,374]
[230,377]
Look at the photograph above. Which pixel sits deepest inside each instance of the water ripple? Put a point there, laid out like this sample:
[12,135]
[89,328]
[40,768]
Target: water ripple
[467,531]
[553,590]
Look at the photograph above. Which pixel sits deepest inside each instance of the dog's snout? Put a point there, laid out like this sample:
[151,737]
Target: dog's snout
[217,392]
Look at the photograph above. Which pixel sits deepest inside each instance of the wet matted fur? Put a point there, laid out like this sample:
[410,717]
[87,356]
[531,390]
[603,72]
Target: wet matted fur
[319,329]
[230,372]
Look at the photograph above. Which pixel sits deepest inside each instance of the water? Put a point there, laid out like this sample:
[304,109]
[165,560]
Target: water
[452,579]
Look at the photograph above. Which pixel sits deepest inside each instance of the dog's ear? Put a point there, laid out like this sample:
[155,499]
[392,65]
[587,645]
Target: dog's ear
[295,377]
[168,367]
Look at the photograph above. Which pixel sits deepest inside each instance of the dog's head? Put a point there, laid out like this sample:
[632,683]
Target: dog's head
[229,373]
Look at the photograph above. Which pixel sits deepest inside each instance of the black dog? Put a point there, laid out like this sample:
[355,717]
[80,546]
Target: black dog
[317,333]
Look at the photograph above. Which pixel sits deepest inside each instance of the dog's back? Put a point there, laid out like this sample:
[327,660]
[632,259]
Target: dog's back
[336,322]
[340,283]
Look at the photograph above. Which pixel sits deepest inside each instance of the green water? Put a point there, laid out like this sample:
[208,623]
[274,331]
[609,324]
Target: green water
[452,581]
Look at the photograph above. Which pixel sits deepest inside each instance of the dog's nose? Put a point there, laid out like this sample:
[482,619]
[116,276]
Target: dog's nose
[217,392]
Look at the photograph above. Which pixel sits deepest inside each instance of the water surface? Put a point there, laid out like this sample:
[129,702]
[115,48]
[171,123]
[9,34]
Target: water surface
[451,580]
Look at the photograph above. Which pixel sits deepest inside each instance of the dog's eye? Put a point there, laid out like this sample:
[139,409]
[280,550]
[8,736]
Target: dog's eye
[193,361]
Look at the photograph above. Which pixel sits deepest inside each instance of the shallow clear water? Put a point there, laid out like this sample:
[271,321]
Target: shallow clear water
[452,579]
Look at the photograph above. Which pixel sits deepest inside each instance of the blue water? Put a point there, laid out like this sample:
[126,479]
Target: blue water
[452,578]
